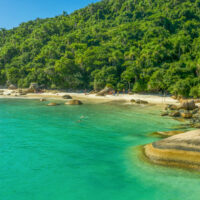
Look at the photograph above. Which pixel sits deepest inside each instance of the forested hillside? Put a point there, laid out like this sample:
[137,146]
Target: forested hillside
[142,45]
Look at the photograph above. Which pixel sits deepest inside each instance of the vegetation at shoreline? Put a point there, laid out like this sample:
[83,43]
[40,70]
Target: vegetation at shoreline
[141,45]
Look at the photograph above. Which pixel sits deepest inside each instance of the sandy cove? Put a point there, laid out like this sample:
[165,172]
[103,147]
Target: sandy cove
[182,150]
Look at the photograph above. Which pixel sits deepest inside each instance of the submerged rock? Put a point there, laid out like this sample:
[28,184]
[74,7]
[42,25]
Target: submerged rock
[74,102]
[52,104]
[167,133]
[182,150]
[42,100]
[164,114]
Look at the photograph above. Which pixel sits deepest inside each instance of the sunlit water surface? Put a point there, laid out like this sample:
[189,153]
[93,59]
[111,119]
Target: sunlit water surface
[87,152]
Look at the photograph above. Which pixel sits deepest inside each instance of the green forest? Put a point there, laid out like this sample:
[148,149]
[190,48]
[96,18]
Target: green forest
[139,45]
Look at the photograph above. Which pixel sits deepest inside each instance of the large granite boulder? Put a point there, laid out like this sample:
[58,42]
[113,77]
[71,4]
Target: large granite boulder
[188,105]
[74,102]
[182,150]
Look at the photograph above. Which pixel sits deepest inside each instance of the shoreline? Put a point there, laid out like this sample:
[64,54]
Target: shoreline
[150,98]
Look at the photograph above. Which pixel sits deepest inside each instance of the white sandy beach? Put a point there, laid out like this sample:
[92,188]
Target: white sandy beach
[153,99]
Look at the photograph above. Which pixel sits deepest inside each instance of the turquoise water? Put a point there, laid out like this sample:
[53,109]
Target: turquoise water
[87,152]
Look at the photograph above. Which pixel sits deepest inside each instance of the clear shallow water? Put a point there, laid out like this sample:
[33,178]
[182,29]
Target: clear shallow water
[47,153]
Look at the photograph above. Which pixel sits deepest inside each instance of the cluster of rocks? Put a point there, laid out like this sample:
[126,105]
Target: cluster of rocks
[139,101]
[187,110]
[70,102]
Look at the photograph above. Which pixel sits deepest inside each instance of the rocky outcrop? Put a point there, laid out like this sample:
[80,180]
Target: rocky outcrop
[74,102]
[105,91]
[188,105]
[187,110]
[66,97]
[182,150]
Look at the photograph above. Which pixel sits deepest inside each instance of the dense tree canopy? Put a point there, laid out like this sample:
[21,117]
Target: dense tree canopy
[140,45]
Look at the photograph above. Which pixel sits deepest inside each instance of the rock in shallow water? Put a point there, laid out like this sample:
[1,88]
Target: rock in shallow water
[164,114]
[74,102]
[175,114]
[52,104]
[138,101]
[182,150]
[167,133]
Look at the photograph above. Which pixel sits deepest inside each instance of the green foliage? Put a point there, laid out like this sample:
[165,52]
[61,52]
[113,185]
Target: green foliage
[195,91]
[120,87]
[150,46]
[139,86]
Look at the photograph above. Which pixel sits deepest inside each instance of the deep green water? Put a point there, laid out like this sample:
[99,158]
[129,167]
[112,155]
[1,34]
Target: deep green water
[46,153]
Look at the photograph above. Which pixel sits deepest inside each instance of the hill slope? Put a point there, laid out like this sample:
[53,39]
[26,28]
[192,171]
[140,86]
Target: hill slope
[144,45]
